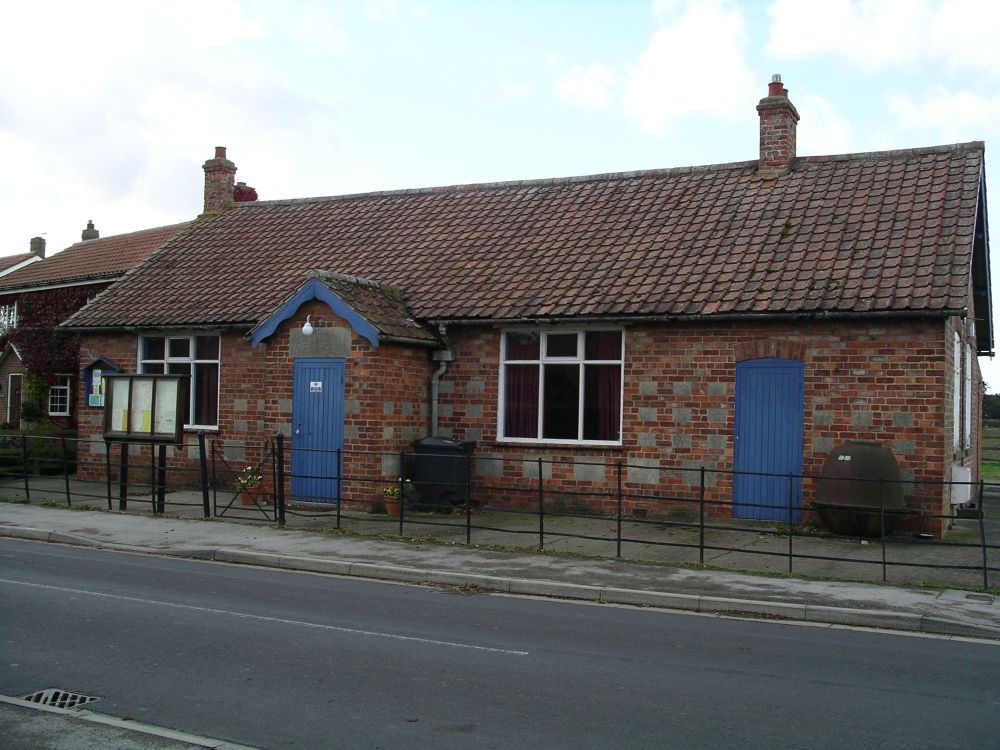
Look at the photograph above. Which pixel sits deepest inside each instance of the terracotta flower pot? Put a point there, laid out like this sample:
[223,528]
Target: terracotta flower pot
[248,496]
[392,506]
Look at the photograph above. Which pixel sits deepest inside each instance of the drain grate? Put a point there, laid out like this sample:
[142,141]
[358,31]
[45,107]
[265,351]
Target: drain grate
[60,698]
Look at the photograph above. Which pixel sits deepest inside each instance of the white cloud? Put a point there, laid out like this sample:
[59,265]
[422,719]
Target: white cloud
[874,35]
[943,116]
[824,130]
[693,65]
[588,87]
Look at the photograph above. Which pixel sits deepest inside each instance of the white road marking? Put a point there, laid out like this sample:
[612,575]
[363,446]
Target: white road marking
[247,616]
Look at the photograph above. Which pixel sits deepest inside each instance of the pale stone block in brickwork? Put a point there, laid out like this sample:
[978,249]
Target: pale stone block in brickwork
[474,433]
[822,445]
[588,470]
[234,452]
[648,388]
[475,387]
[351,432]
[647,413]
[446,387]
[240,404]
[823,418]
[680,440]
[352,406]
[240,425]
[387,408]
[717,415]
[388,433]
[474,411]
[489,465]
[903,447]
[692,473]
[682,389]
[643,470]
[861,419]
[902,419]
[717,442]
[446,410]
[285,405]
[390,464]
[647,439]
[718,389]
[682,416]
[529,468]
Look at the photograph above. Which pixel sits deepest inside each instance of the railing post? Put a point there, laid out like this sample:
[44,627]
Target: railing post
[701,517]
[152,478]
[881,525]
[541,507]
[982,536]
[468,498]
[280,483]
[24,457]
[340,493]
[161,479]
[791,533]
[402,509]
[65,467]
[621,510]
[107,469]
[203,470]
[123,478]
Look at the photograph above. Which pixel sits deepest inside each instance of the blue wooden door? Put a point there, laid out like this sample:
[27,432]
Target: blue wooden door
[317,429]
[768,446]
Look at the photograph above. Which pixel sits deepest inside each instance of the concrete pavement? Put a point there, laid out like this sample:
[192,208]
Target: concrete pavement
[947,612]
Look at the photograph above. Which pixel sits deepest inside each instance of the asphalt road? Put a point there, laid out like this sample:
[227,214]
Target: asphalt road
[278,659]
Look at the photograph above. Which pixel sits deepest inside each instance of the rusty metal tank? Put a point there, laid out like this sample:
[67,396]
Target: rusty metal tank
[849,495]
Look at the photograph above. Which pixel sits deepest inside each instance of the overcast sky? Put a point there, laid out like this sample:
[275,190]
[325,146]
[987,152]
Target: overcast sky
[109,109]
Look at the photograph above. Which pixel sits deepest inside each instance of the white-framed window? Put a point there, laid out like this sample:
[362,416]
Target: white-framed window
[956,388]
[967,396]
[59,396]
[561,386]
[195,355]
[8,317]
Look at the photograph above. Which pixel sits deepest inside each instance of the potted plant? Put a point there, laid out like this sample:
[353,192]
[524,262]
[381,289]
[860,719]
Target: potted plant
[249,482]
[394,495]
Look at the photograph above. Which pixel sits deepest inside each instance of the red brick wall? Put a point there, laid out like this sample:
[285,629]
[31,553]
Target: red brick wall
[386,402]
[887,381]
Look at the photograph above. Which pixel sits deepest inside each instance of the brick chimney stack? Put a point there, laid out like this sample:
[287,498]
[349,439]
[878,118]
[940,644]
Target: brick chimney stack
[219,182]
[38,246]
[778,119]
[90,233]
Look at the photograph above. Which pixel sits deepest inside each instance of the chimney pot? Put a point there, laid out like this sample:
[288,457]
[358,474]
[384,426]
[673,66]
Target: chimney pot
[90,233]
[220,152]
[38,246]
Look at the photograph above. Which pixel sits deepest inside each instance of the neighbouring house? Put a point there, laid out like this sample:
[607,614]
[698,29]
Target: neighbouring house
[36,298]
[11,263]
[745,317]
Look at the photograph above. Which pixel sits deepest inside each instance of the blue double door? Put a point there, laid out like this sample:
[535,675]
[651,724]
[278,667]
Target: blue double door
[767,454]
[317,429]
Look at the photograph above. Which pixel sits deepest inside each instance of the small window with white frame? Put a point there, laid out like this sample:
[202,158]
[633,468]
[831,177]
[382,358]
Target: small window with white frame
[59,396]
[561,386]
[194,355]
[8,317]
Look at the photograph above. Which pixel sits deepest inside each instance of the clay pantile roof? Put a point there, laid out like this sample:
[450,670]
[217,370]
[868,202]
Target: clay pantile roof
[101,259]
[381,305]
[890,231]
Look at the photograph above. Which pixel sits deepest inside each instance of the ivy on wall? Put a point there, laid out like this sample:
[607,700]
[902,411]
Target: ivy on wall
[44,348]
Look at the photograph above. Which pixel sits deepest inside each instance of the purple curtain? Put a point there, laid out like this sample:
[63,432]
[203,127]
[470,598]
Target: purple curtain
[608,402]
[521,401]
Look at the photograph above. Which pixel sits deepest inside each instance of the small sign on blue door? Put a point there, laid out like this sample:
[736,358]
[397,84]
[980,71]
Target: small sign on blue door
[315,386]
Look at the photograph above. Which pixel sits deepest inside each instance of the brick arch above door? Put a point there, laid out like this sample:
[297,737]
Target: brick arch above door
[770,349]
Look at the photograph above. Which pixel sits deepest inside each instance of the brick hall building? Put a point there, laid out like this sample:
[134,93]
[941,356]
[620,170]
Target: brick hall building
[749,316]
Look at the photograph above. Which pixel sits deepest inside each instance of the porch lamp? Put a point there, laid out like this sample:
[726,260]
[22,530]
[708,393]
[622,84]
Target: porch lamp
[307,328]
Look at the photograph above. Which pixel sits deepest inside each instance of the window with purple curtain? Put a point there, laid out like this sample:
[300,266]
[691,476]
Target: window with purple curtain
[562,385]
